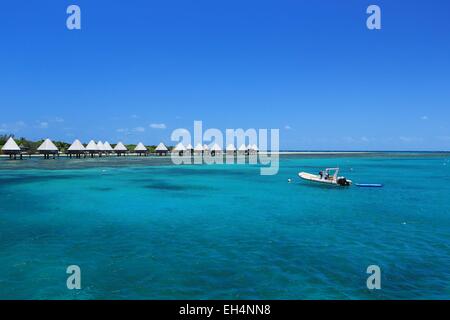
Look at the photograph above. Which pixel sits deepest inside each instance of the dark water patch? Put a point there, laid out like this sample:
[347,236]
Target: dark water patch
[102,189]
[176,187]
[159,186]
[180,171]
[144,180]
[20,178]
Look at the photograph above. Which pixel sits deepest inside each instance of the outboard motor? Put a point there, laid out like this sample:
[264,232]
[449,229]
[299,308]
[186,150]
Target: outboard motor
[342,181]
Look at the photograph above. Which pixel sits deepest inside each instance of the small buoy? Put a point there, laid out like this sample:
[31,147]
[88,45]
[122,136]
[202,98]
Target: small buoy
[289,180]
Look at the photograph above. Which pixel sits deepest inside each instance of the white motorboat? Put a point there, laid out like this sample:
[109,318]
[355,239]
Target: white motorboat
[328,176]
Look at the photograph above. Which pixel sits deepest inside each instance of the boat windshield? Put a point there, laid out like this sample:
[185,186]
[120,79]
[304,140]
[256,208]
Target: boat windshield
[331,173]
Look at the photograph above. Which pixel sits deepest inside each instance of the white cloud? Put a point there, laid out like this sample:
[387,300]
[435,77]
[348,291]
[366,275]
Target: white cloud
[349,139]
[43,125]
[410,139]
[357,140]
[139,129]
[59,119]
[424,118]
[287,127]
[365,139]
[121,130]
[157,126]
[134,116]
[12,127]
[406,139]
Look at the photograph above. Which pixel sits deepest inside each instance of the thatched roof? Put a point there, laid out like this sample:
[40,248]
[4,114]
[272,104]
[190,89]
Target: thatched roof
[10,145]
[107,146]
[92,146]
[242,148]
[120,147]
[76,146]
[140,147]
[100,146]
[161,147]
[179,147]
[198,147]
[47,146]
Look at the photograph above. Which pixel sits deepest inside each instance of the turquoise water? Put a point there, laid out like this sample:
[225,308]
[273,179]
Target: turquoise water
[143,229]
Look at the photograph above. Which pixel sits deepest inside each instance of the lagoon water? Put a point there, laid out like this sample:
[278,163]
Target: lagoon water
[141,228]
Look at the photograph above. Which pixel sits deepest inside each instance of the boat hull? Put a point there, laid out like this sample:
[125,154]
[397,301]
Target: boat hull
[317,179]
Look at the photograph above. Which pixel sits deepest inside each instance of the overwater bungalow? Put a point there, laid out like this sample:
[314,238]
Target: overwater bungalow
[216,150]
[252,149]
[180,149]
[242,149]
[12,149]
[91,148]
[161,150]
[76,148]
[189,149]
[141,149]
[198,150]
[230,149]
[108,148]
[48,148]
[205,149]
[120,149]
[100,148]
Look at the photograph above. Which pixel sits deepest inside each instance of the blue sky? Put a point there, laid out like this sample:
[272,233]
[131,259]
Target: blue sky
[139,69]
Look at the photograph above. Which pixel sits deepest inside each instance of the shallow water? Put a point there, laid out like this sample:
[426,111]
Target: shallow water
[145,229]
